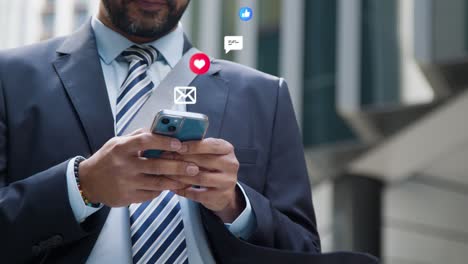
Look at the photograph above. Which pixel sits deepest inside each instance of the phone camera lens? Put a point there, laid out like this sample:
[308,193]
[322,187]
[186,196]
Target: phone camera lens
[171,128]
[165,121]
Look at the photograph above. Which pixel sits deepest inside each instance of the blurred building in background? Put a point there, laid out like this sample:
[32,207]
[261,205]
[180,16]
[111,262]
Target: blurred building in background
[379,91]
[28,21]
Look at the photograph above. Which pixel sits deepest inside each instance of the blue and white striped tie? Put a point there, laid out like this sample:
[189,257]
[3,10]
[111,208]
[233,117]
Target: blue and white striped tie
[156,226]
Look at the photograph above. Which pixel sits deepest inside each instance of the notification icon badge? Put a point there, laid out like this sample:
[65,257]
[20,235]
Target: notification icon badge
[200,63]
[233,43]
[245,13]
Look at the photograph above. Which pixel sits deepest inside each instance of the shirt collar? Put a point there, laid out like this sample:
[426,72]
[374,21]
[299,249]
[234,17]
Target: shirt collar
[110,43]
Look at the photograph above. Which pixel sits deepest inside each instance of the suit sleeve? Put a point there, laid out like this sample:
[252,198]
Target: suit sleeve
[35,213]
[283,210]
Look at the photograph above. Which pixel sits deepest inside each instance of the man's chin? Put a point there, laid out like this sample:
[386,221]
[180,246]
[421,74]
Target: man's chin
[148,19]
[147,30]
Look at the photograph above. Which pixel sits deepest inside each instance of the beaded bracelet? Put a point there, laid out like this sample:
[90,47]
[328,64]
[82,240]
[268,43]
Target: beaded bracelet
[76,166]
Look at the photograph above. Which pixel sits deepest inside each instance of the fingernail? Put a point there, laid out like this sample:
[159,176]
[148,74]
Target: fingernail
[192,170]
[183,149]
[175,144]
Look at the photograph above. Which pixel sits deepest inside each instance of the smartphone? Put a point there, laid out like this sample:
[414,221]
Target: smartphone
[185,126]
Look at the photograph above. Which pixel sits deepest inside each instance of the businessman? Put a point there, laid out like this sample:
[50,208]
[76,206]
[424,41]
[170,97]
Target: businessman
[74,188]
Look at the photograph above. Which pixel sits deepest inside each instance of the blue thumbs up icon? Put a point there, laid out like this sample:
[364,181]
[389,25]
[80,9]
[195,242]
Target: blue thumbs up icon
[245,13]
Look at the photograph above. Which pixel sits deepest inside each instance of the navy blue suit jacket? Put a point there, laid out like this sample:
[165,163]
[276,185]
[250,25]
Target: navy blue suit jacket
[54,106]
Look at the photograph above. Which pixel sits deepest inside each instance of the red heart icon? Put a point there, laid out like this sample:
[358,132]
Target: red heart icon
[200,63]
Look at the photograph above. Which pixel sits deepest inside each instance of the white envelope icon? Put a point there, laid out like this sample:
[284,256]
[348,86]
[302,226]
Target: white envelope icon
[185,95]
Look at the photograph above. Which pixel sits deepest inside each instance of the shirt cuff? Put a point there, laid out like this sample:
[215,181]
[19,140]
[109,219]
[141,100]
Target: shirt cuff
[244,225]
[79,208]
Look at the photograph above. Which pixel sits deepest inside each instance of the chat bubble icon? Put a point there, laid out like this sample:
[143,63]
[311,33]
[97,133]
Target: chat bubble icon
[233,43]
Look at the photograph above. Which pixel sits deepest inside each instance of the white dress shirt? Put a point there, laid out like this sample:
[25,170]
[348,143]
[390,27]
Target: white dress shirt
[114,244]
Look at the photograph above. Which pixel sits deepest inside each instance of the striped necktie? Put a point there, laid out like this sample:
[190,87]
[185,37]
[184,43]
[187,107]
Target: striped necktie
[156,227]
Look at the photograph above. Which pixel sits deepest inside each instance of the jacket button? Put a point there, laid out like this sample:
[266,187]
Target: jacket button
[57,240]
[36,250]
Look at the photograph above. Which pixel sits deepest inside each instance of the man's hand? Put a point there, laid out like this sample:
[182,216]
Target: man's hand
[117,176]
[217,177]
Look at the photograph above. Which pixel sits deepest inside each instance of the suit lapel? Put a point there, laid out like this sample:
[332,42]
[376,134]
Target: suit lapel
[81,74]
[212,96]
[79,68]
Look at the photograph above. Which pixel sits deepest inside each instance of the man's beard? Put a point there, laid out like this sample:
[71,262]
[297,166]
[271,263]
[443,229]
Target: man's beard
[119,16]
